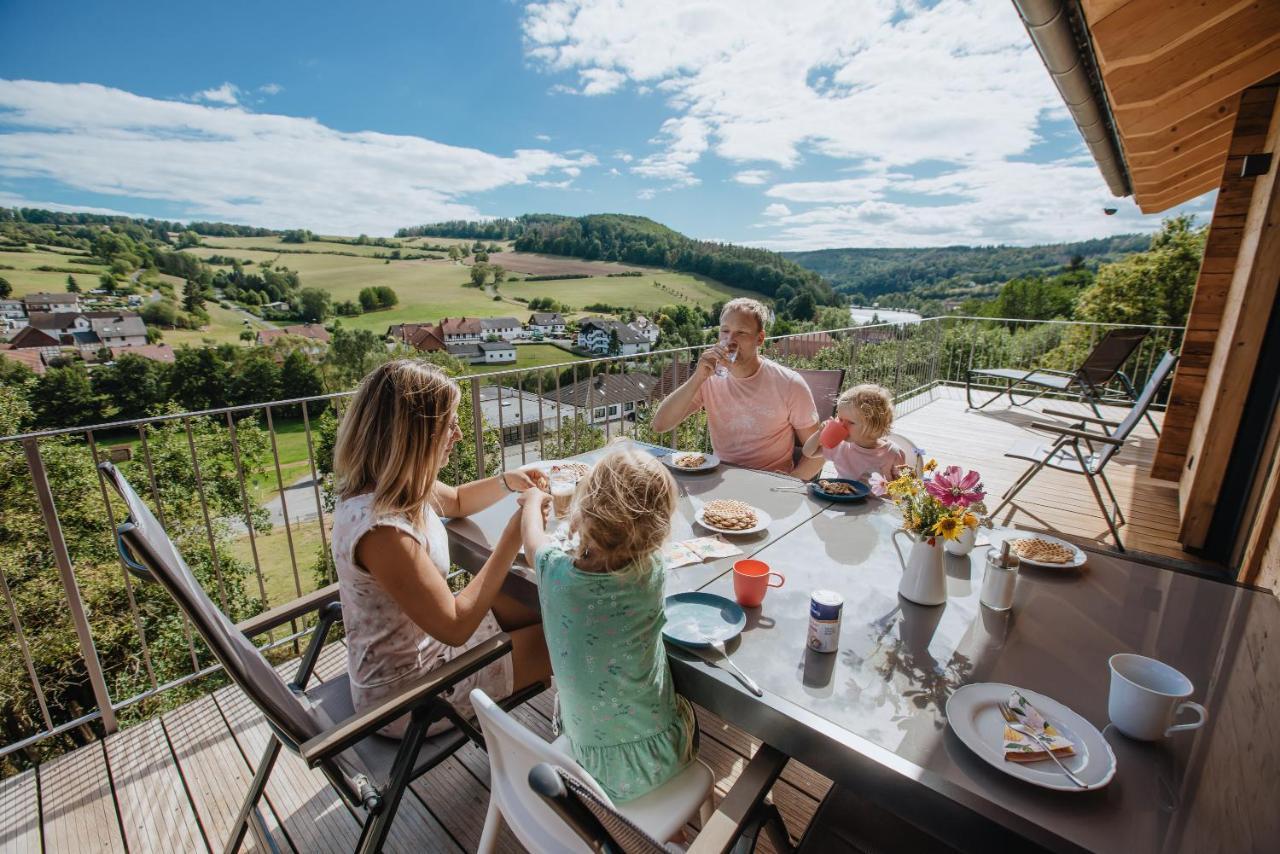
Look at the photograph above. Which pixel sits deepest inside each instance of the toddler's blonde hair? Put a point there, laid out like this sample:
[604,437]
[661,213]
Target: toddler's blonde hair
[873,403]
[393,435]
[623,509]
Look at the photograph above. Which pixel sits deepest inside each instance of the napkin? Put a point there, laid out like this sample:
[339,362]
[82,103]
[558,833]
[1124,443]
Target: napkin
[676,555]
[1022,748]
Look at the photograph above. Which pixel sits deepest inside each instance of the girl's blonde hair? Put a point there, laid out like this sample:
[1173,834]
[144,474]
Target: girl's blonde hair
[873,403]
[393,435]
[623,509]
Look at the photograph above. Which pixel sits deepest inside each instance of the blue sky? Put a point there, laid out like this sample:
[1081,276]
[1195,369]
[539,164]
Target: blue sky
[801,125]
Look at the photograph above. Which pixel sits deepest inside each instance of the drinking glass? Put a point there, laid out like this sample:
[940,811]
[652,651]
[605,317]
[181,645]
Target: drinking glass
[731,354]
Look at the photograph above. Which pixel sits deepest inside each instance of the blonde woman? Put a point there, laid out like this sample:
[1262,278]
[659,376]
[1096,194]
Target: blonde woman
[392,552]
[603,608]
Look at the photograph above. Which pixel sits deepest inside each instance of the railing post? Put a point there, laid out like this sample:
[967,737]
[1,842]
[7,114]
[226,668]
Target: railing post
[68,577]
[477,427]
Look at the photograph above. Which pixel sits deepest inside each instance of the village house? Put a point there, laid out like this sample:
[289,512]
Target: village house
[314,331]
[595,334]
[521,415]
[461,329]
[35,338]
[646,327]
[548,323]
[608,397]
[13,313]
[112,329]
[504,327]
[484,352]
[51,302]
[30,358]
[59,323]
[155,352]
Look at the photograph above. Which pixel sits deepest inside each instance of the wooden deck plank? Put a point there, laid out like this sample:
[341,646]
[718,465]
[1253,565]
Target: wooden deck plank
[313,815]
[150,795]
[216,772]
[78,812]
[20,813]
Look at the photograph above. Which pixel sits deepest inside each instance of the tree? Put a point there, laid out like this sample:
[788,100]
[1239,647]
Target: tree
[188,238]
[352,354]
[479,273]
[297,235]
[248,336]
[615,343]
[499,274]
[200,377]
[386,296]
[193,298]
[161,312]
[257,379]
[804,306]
[454,253]
[64,397]
[154,335]
[6,289]
[368,299]
[134,385]
[313,305]
[1150,288]
[73,287]
[107,282]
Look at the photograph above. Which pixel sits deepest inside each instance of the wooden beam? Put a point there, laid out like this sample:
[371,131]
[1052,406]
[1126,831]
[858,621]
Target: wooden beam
[1184,125]
[1226,230]
[1245,314]
[1143,31]
[1260,564]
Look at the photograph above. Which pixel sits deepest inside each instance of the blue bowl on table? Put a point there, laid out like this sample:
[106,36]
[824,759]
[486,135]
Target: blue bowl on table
[698,619]
[860,490]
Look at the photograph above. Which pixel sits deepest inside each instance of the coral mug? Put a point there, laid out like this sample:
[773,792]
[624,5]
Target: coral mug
[751,580]
[833,433]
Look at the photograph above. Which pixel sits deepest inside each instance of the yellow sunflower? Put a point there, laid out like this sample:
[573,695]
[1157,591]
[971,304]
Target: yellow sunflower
[970,520]
[948,527]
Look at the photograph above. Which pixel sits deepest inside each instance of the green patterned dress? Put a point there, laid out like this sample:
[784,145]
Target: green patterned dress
[625,723]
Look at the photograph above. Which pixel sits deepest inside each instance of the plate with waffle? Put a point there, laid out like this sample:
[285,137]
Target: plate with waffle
[1046,552]
[728,516]
[691,461]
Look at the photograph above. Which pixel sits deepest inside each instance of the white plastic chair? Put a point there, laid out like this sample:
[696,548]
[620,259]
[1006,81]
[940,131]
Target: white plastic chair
[908,447]
[514,751]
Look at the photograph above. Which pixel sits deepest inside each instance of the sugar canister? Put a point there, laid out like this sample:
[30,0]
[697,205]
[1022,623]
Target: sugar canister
[1001,578]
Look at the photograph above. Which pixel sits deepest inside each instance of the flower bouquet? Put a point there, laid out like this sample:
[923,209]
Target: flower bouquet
[936,503]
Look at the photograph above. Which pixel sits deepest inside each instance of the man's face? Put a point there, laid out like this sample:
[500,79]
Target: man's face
[741,331]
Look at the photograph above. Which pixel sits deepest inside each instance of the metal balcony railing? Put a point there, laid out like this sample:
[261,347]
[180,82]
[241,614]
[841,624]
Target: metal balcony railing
[217,480]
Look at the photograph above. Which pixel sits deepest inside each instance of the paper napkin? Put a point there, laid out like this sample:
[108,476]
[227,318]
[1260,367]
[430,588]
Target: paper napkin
[1022,748]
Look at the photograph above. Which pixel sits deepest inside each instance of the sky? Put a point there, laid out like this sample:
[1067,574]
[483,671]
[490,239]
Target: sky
[799,125]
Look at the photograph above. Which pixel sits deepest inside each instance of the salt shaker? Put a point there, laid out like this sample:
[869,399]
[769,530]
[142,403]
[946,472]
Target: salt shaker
[1001,578]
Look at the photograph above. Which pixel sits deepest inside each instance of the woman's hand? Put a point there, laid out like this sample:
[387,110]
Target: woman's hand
[523,480]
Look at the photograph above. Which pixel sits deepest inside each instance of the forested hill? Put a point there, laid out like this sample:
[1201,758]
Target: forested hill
[871,273]
[639,240]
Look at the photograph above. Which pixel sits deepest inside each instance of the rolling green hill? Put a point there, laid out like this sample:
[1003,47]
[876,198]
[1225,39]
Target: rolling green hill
[868,274]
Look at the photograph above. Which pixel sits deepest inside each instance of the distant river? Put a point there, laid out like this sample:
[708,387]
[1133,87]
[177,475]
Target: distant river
[884,315]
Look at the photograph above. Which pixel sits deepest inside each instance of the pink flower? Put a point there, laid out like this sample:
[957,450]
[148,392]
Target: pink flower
[877,482]
[952,487]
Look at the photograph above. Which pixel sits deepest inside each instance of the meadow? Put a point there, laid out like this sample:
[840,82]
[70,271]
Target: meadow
[28,280]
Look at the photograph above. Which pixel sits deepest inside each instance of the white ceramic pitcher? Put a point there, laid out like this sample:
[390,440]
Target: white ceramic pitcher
[924,580]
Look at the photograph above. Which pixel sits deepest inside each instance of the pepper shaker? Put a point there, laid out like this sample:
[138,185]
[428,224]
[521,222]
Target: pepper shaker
[1000,579]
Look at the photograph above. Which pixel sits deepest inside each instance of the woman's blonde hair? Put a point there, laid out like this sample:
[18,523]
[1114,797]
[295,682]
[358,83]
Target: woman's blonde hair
[393,435]
[873,403]
[623,509]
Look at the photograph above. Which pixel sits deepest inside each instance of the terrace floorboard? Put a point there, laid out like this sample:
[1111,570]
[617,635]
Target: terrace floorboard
[1054,502]
[175,783]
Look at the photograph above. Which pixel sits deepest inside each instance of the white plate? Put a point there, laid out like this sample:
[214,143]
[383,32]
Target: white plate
[974,714]
[762,522]
[1074,563]
[670,459]
[545,466]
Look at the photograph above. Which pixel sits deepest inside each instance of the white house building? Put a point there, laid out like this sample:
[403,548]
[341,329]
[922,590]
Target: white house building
[507,328]
[608,397]
[595,334]
[484,352]
[118,330]
[547,323]
[51,302]
[646,327]
[458,330]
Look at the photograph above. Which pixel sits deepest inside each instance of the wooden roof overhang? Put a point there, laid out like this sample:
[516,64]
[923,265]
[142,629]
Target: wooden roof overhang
[1173,71]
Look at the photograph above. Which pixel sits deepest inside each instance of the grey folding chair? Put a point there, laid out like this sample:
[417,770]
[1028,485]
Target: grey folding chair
[1067,454]
[370,772]
[734,827]
[1089,382]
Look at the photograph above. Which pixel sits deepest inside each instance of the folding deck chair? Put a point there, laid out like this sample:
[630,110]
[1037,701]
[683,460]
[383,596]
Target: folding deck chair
[1066,453]
[1089,381]
[370,772]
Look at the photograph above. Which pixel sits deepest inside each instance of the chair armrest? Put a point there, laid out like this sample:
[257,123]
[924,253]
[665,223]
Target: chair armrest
[268,620]
[720,833]
[1076,416]
[1052,371]
[1078,434]
[360,726]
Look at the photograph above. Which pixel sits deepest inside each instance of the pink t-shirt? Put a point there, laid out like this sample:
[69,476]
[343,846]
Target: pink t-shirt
[856,462]
[753,420]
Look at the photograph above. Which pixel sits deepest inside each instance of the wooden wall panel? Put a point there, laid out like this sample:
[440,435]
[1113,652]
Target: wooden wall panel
[1244,318]
[1222,249]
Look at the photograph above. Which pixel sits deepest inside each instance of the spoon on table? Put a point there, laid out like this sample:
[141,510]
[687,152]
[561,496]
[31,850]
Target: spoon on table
[718,646]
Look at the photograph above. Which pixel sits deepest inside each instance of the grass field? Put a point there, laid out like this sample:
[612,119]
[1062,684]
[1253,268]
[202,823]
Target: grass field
[277,567]
[27,280]
[224,328]
[429,290]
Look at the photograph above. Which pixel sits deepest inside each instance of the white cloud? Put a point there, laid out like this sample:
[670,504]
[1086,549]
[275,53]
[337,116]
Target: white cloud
[601,81]
[231,164]
[227,93]
[752,176]
[542,137]
[646,194]
[271,89]
[875,87]
[623,156]
[777,209]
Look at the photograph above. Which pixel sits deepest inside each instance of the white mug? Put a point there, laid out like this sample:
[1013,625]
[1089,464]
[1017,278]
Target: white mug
[1146,696]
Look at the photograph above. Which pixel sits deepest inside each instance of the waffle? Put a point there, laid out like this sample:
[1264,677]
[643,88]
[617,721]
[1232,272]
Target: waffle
[835,487]
[573,467]
[1044,551]
[689,461]
[730,515]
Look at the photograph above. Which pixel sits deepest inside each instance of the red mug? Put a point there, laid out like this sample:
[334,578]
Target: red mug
[833,433]
[751,580]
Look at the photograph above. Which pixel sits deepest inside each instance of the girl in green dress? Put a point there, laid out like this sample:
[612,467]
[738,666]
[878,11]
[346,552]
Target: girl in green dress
[602,613]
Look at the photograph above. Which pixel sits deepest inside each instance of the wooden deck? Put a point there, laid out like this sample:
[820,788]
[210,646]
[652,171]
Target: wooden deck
[175,782]
[1054,502]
